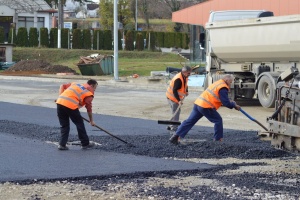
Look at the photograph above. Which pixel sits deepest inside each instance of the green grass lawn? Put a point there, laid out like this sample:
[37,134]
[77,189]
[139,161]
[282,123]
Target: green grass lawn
[129,62]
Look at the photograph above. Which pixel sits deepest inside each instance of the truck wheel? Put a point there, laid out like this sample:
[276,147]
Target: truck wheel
[266,92]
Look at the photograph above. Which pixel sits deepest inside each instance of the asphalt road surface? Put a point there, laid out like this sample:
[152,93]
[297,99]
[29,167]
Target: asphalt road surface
[241,167]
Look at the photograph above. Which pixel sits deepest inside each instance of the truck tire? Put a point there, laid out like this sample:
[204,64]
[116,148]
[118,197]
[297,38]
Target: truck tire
[266,92]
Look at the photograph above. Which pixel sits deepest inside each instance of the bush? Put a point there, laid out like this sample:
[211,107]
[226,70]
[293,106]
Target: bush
[107,40]
[119,40]
[77,42]
[152,40]
[87,39]
[44,37]
[178,40]
[22,37]
[53,38]
[98,41]
[33,37]
[129,41]
[12,36]
[65,38]
[159,42]
[2,35]
[185,40]
[139,45]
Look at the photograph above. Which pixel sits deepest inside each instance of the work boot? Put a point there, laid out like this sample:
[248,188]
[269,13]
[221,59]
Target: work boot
[219,140]
[90,145]
[168,128]
[60,147]
[174,139]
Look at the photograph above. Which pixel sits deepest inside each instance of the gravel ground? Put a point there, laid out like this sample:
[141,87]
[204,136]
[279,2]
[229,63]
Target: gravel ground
[247,168]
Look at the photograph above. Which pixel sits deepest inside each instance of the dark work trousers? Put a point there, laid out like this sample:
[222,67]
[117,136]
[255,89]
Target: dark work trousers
[197,113]
[64,114]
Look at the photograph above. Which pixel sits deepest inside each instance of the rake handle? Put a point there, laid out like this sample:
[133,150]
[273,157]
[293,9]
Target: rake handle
[252,119]
[107,132]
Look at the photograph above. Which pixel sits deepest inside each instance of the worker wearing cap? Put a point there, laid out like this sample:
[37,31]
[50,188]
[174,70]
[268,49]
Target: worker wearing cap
[73,96]
[207,105]
[177,90]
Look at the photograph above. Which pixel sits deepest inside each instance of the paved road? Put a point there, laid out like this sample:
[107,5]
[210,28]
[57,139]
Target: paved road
[31,100]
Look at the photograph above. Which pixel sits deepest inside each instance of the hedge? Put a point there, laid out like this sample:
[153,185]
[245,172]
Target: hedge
[44,38]
[22,37]
[53,38]
[98,40]
[12,36]
[129,41]
[77,41]
[65,36]
[107,35]
[139,42]
[87,39]
[2,35]
[33,37]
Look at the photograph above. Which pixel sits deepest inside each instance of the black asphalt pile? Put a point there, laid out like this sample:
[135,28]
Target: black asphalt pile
[237,144]
[40,66]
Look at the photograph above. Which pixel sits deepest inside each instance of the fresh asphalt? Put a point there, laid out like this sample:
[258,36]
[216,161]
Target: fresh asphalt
[23,158]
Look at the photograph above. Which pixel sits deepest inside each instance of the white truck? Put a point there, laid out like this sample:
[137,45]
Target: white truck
[255,50]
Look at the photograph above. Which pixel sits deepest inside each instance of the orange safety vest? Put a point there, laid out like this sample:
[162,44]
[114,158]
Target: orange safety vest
[210,98]
[73,96]
[181,91]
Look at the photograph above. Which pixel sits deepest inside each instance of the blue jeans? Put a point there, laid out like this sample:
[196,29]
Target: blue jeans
[197,113]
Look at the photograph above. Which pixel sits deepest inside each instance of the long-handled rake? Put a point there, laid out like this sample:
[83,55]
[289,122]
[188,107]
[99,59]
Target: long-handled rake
[131,145]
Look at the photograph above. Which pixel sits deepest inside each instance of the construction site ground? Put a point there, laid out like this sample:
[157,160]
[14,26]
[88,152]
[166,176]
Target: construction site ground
[241,167]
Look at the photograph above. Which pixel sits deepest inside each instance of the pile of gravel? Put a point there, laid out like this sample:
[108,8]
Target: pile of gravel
[39,66]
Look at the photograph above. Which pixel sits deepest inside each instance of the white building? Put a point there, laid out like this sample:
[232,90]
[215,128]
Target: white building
[25,13]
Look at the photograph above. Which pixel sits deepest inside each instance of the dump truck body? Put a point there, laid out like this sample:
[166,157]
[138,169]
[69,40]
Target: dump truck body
[256,51]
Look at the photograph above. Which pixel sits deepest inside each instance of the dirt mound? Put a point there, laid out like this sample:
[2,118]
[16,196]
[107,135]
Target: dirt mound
[38,67]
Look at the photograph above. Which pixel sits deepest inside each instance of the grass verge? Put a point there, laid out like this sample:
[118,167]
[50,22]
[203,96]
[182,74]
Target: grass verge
[129,62]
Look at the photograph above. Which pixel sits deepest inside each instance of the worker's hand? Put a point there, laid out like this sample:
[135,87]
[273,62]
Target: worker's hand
[237,107]
[180,102]
[92,123]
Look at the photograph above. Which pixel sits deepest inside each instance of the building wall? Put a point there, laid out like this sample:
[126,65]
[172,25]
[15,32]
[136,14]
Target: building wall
[199,14]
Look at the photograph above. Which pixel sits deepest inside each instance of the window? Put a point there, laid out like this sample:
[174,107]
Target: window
[28,22]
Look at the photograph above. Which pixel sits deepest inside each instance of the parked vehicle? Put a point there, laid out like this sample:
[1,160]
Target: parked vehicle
[256,50]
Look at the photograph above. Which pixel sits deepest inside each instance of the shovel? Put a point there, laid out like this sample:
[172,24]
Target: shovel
[252,119]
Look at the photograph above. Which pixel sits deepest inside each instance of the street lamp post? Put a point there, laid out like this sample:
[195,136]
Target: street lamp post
[116,24]
[136,11]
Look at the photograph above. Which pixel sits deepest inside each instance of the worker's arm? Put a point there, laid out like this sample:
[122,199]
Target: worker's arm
[226,101]
[177,86]
[88,105]
[63,87]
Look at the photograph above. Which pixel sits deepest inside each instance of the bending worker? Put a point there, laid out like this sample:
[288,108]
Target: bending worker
[176,91]
[73,96]
[207,105]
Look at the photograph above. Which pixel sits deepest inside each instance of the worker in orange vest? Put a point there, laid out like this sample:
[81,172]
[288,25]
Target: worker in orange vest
[177,90]
[207,105]
[73,96]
